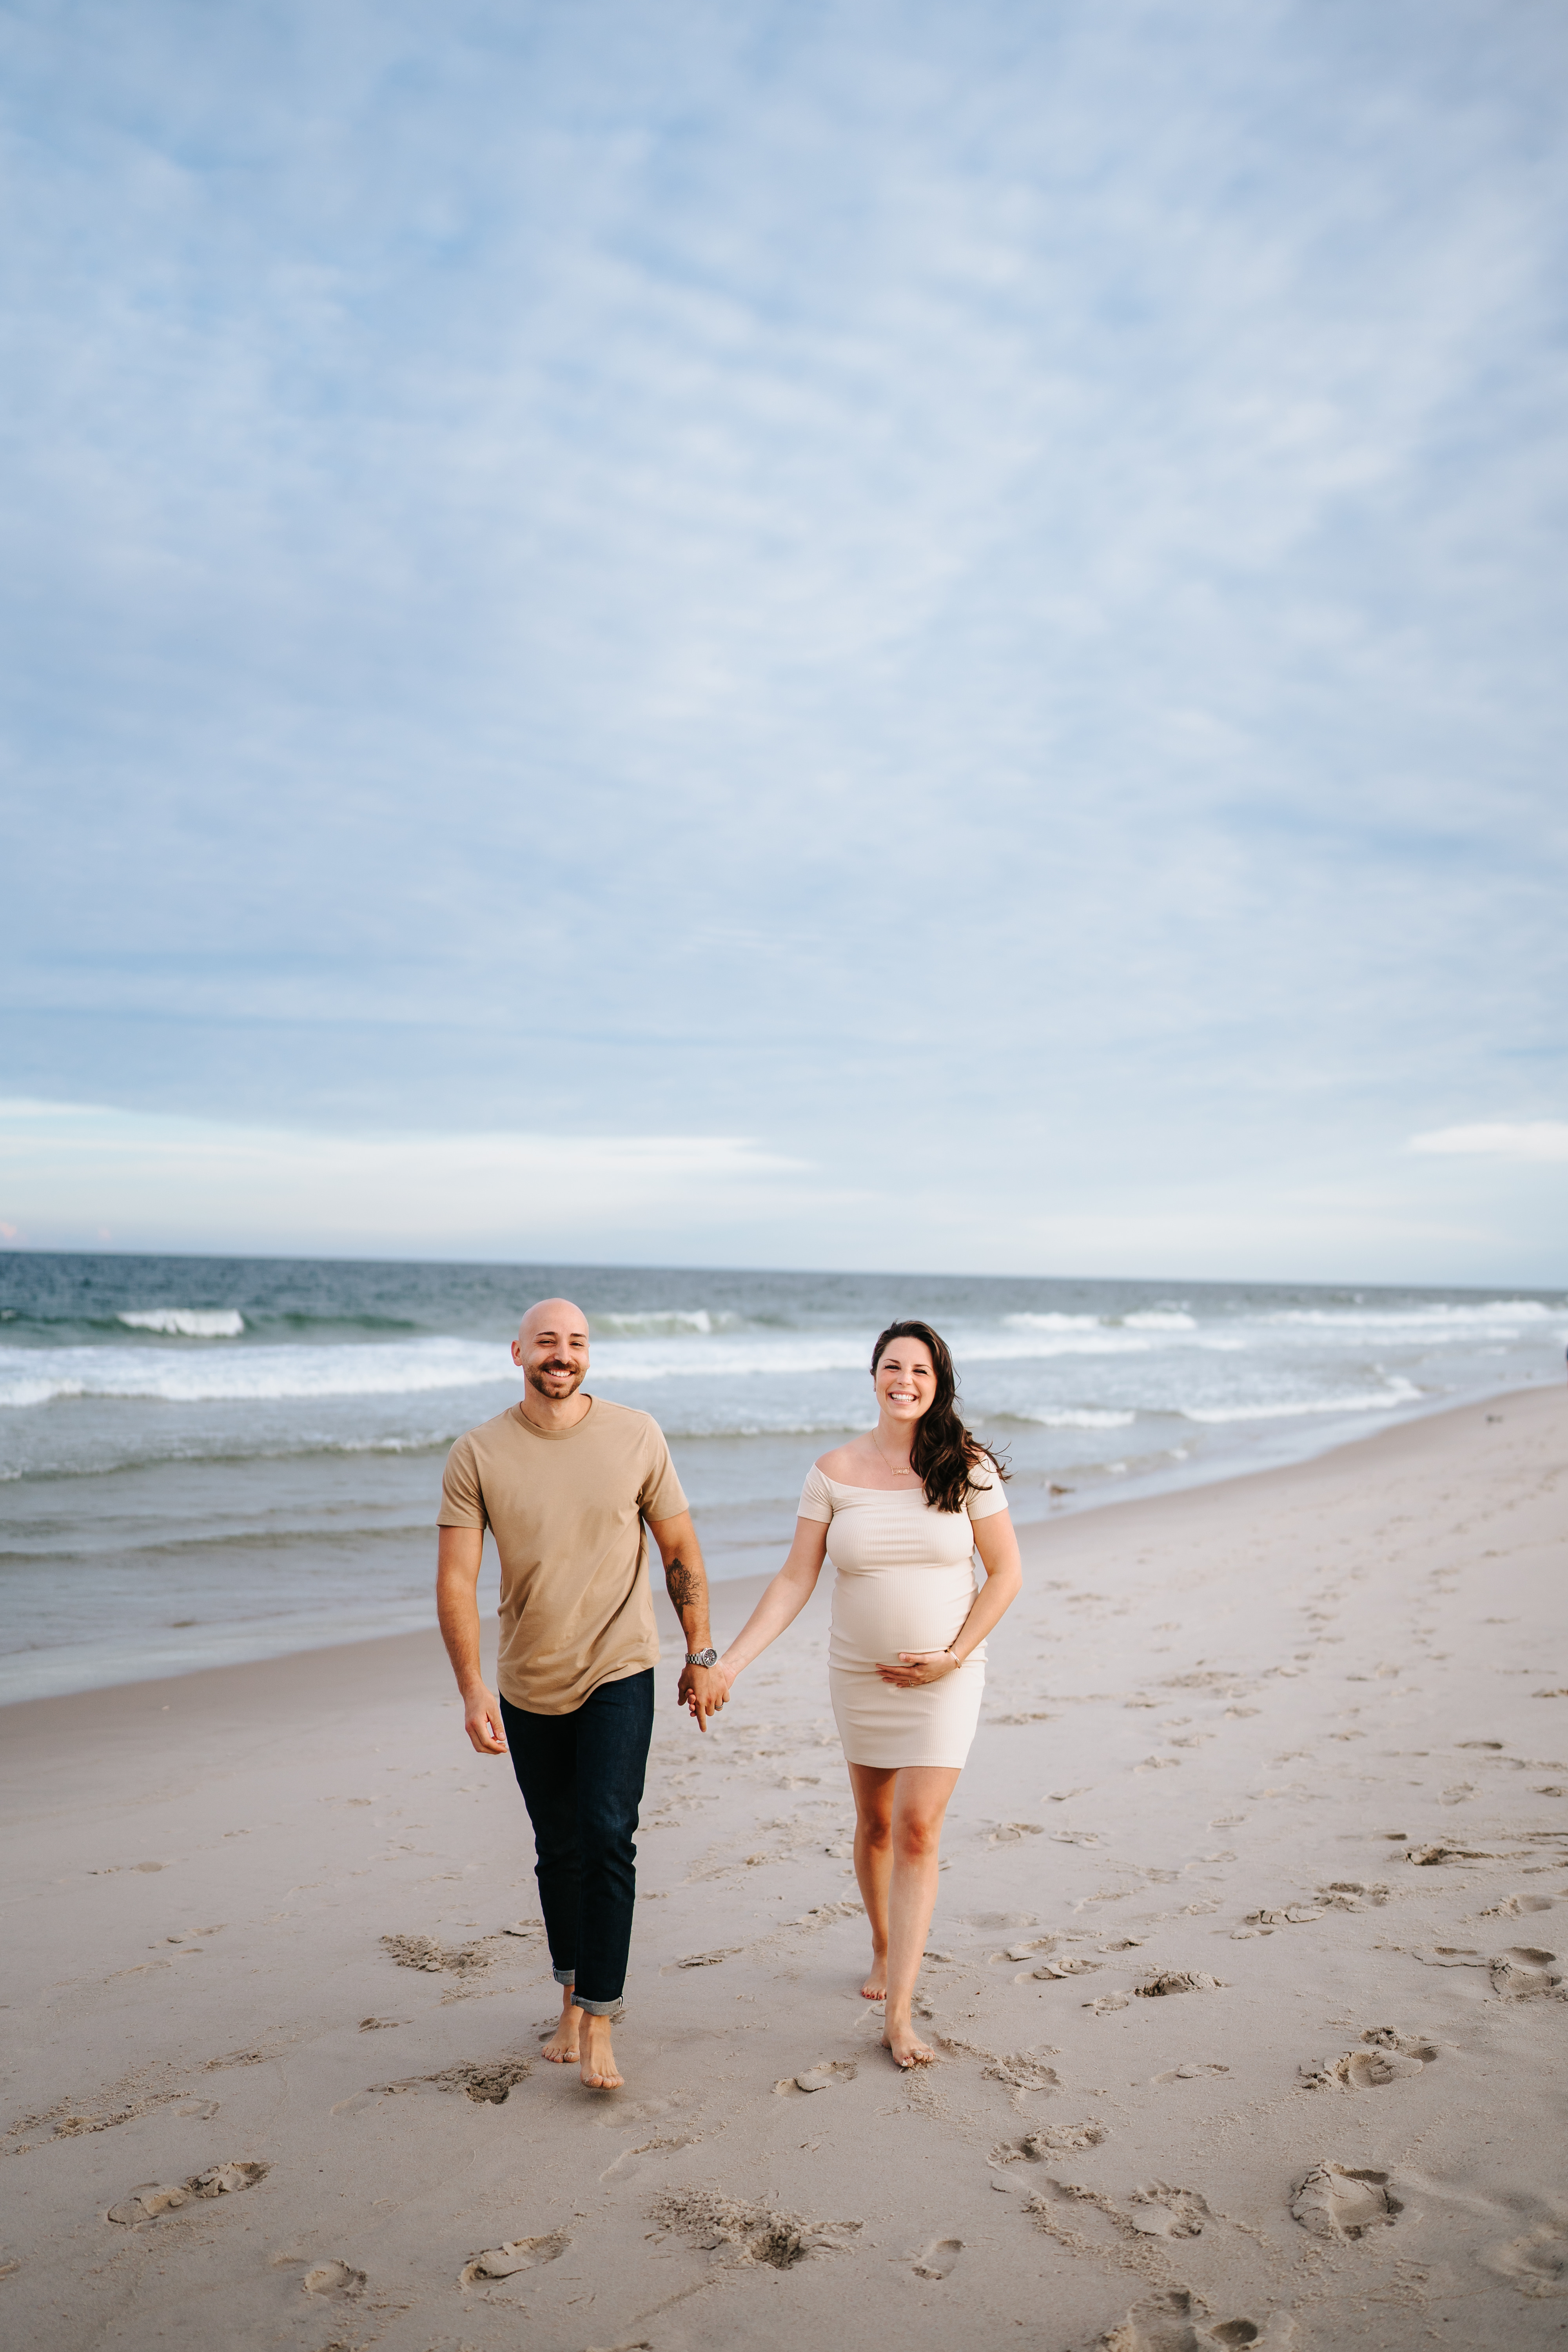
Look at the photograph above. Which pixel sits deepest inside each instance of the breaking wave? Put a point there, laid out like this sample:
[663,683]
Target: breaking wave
[1399,1392]
[186,1322]
[39,1375]
[1463,1321]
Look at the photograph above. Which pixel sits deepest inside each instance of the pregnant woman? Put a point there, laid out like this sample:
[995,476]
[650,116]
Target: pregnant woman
[901,1512]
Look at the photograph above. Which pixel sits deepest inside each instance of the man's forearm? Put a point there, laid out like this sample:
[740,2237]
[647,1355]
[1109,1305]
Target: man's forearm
[686,1582]
[458,1562]
[458,1613]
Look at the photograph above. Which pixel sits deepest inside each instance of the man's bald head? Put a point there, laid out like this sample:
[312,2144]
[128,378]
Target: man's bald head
[551,1348]
[558,1316]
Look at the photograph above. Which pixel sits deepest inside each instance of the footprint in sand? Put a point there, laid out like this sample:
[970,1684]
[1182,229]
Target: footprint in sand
[1450,1956]
[1525,1972]
[155,2198]
[1178,2320]
[816,2078]
[938,2258]
[488,2082]
[747,2233]
[1020,2070]
[1157,2210]
[1190,2072]
[424,1952]
[517,2255]
[1515,1907]
[1051,2139]
[1536,2261]
[333,2278]
[1433,1857]
[1174,1981]
[1335,2201]
[1386,2057]
[630,2159]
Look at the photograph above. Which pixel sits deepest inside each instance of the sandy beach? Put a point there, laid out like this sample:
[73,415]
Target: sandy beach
[1243,1980]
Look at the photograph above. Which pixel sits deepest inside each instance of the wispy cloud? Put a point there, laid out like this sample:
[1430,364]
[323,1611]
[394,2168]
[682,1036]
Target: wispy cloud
[1536,1138]
[74,1173]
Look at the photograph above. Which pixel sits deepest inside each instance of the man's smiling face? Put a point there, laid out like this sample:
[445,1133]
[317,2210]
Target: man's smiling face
[551,1348]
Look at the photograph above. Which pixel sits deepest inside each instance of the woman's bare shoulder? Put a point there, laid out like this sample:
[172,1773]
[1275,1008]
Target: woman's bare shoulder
[843,1461]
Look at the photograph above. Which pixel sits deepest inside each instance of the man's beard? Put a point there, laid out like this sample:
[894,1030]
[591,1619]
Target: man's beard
[576,1374]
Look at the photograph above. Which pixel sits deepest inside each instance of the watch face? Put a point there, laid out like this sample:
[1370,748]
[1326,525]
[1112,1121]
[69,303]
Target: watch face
[702,1657]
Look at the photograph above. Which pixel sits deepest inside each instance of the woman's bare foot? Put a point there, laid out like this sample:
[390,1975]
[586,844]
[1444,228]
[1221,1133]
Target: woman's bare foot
[876,1985]
[599,2069]
[908,2049]
[561,2048]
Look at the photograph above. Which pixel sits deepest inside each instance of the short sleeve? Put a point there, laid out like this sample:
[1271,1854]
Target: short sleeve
[462,1497]
[815,1498]
[662,1497]
[988,1496]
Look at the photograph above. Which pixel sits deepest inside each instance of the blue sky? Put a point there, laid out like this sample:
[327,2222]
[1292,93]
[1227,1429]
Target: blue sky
[870,635]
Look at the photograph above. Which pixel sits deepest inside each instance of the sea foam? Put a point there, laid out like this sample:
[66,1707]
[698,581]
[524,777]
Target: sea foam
[1500,1316]
[186,1322]
[1398,1392]
[39,1375]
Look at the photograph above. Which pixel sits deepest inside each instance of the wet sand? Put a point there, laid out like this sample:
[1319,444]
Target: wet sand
[1243,1980]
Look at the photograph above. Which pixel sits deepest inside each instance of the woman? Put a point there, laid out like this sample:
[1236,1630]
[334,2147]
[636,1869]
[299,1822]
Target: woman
[901,1512]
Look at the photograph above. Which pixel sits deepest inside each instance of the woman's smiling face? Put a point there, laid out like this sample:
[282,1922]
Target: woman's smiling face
[905,1380]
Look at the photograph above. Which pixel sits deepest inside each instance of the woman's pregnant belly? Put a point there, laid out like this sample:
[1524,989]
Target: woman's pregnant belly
[876,1612]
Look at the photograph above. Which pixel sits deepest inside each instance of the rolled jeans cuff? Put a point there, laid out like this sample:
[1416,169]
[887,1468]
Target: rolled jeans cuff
[610,2009]
[564,1976]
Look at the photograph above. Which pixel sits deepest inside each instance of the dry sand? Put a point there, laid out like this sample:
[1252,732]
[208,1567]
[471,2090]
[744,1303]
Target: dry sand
[1243,1976]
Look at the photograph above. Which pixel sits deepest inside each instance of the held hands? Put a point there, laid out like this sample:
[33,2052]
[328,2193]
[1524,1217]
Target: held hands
[702,1690]
[917,1667]
[481,1721]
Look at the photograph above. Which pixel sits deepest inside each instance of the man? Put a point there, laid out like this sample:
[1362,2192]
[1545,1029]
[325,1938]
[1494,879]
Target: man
[564,1481]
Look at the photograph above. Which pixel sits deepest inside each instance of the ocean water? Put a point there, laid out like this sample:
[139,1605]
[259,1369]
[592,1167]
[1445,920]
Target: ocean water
[203,1460]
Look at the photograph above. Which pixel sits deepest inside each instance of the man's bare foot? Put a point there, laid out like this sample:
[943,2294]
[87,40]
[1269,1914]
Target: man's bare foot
[599,2069]
[908,2049]
[561,2048]
[876,1985]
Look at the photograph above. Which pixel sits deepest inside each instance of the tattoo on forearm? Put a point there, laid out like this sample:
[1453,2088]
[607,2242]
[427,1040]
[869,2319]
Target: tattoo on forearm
[683,1584]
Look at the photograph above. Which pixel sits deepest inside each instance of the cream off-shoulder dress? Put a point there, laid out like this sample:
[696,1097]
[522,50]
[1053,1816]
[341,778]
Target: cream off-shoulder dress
[904,1580]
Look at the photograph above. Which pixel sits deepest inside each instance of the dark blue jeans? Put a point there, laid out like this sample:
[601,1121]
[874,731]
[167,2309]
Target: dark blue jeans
[582,1779]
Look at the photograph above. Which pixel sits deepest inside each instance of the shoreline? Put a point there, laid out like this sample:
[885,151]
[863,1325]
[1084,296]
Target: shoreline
[1063,1508]
[1248,1980]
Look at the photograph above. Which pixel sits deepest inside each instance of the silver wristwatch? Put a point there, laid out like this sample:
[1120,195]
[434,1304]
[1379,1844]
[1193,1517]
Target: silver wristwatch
[702,1657]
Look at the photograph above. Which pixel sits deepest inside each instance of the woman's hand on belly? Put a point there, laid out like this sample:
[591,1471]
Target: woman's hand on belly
[917,1667]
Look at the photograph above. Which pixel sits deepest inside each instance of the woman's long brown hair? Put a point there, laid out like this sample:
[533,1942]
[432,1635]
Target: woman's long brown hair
[942,1451]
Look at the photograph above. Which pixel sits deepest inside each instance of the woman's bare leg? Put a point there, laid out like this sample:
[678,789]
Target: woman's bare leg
[920,1802]
[873,1790]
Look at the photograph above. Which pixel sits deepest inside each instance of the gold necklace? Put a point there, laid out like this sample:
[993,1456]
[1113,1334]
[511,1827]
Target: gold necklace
[907,1472]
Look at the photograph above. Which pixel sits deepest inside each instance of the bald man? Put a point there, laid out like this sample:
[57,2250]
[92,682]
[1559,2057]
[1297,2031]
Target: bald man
[564,1483]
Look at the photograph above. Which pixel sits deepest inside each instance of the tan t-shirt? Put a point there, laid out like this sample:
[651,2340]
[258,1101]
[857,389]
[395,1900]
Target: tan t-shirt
[566,1509]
